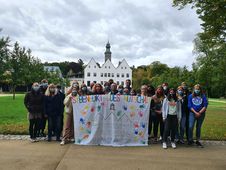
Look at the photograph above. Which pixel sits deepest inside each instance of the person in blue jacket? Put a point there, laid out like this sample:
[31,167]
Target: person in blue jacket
[197,104]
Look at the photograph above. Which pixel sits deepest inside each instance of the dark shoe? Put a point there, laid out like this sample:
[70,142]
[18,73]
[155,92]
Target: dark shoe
[49,139]
[199,144]
[58,139]
[181,141]
[190,143]
[42,135]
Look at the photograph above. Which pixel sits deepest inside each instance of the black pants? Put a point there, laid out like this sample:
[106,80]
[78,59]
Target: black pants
[170,127]
[33,127]
[153,124]
[187,125]
[54,125]
[159,121]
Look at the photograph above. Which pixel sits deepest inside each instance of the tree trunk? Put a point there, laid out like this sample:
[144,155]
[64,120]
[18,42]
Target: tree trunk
[14,91]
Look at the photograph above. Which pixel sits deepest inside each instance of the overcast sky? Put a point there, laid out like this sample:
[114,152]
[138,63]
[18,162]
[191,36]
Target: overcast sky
[141,31]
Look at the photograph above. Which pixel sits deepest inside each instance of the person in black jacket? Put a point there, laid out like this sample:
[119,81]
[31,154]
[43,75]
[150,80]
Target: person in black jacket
[62,96]
[33,101]
[53,110]
[42,126]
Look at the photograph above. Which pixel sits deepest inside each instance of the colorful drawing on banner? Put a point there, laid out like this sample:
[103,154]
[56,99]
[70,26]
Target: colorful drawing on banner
[142,106]
[140,113]
[88,125]
[136,125]
[132,114]
[92,109]
[83,113]
[81,128]
[82,120]
[112,107]
[142,125]
[85,136]
[99,108]
[125,107]
[135,138]
[132,108]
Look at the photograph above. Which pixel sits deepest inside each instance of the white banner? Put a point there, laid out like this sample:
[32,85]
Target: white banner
[111,120]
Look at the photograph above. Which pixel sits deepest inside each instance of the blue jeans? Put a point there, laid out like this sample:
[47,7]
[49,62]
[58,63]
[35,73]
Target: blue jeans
[182,125]
[199,121]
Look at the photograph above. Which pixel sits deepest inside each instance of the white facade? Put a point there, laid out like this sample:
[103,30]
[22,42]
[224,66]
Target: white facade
[93,73]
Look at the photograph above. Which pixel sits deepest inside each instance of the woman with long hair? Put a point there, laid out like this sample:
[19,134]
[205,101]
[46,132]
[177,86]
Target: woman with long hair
[197,104]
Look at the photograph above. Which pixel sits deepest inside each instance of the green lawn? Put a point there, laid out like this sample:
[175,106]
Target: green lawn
[13,118]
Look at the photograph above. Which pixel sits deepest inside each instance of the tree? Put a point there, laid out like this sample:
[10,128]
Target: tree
[4,56]
[213,15]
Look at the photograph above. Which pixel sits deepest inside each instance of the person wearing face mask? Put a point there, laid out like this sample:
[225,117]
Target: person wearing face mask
[120,89]
[128,85]
[155,117]
[165,87]
[68,134]
[182,125]
[185,105]
[33,102]
[171,114]
[197,104]
[84,90]
[53,109]
[113,89]
[42,126]
[62,96]
[106,88]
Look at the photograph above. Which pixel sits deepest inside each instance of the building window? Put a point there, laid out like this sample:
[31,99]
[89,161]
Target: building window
[102,74]
[105,74]
[105,66]
[94,74]
[121,67]
[109,74]
[109,67]
[89,66]
[102,83]
[122,75]
[88,83]
[94,66]
[112,74]
[117,74]
[127,75]
[117,82]
[122,83]
[88,74]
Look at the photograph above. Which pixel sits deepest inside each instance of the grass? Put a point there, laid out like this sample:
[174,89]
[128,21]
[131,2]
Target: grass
[13,118]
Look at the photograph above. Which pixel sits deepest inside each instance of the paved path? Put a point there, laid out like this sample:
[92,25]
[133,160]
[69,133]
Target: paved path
[23,155]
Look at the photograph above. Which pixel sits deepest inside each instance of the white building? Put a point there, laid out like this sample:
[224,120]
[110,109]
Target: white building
[119,74]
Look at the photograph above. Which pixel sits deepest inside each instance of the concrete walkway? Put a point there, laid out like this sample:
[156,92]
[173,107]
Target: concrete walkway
[23,155]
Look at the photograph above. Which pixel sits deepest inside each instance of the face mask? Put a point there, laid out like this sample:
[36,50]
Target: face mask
[180,92]
[120,90]
[52,90]
[197,92]
[45,85]
[74,93]
[185,87]
[106,88]
[84,88]
[35,88]
[165,87]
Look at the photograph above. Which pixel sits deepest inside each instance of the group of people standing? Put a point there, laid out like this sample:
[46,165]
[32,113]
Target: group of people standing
[173,111]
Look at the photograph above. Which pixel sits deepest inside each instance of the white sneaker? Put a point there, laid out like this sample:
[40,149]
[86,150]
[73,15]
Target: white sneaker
[62,142]
[72,140]
[36,140]
[164,146]
[32,140]
[173,145]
